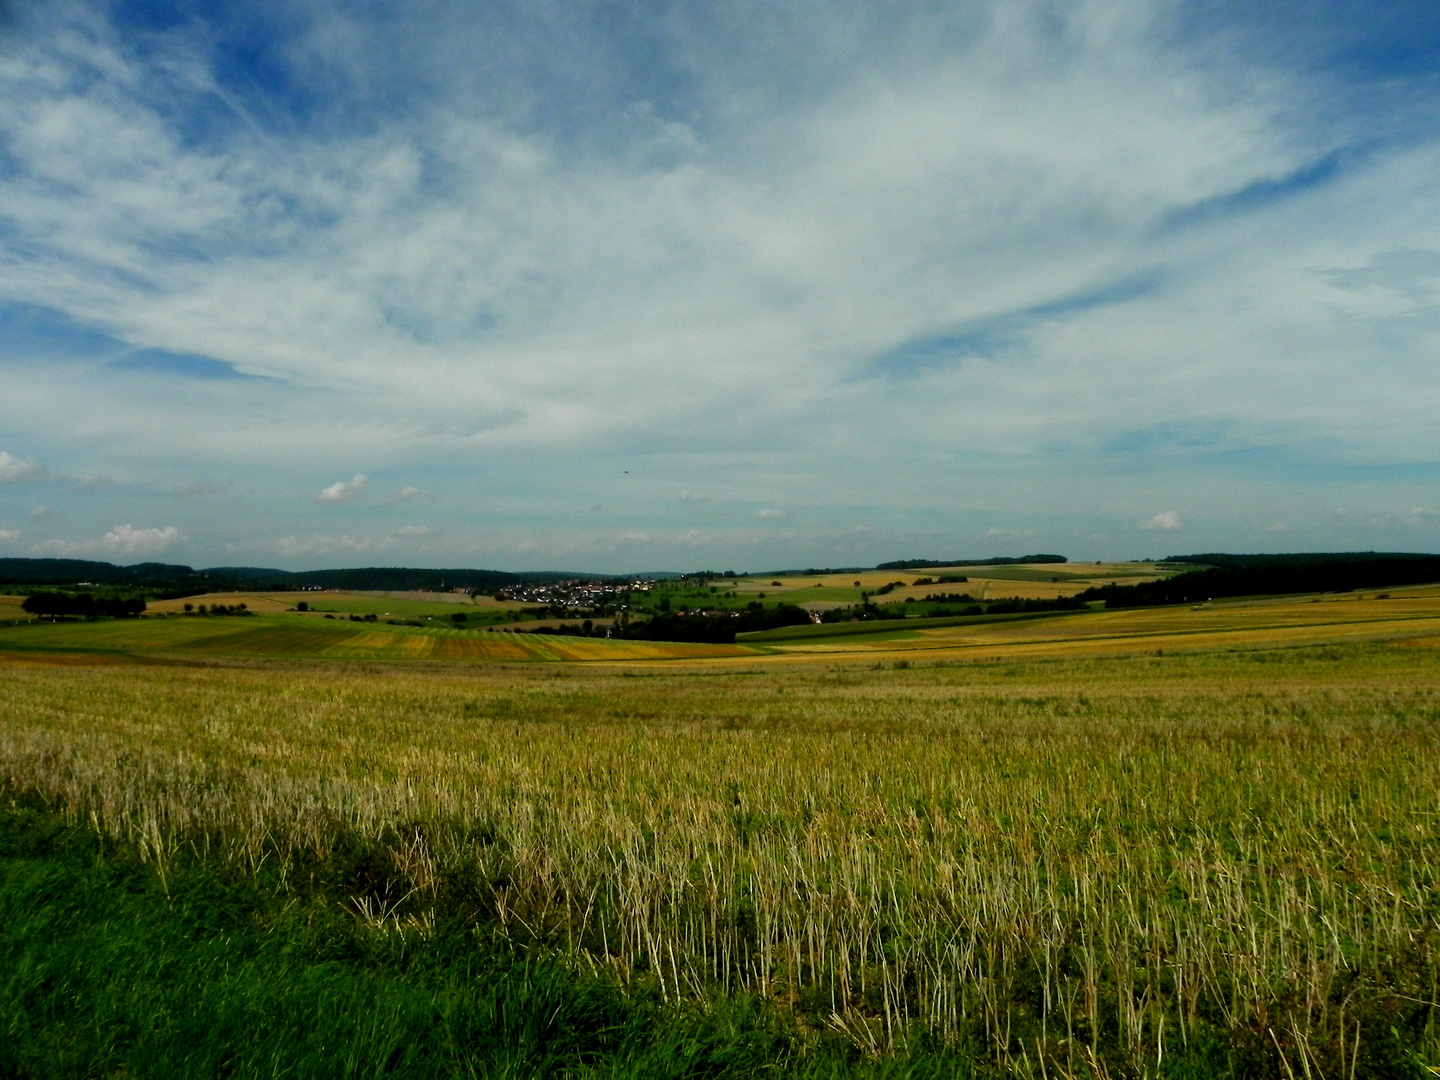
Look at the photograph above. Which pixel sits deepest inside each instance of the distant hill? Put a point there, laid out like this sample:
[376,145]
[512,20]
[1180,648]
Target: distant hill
[920,564]
[1273,575]
[167,577]
[1299,558]
[84,571]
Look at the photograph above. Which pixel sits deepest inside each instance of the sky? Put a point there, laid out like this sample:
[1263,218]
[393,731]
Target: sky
[623,286]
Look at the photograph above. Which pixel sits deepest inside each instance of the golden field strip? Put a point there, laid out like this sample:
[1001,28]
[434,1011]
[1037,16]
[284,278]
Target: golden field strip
[1240,624]
[1037,837]
[1029,581]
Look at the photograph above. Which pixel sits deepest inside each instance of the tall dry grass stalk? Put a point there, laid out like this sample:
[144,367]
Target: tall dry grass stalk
[1071,862]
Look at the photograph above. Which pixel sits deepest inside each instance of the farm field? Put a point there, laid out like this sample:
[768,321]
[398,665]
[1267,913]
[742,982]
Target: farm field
[1223,861]
[1041,581]
[1240,624]
[301,636]
[1186,841]
[1403,613]
[400,605]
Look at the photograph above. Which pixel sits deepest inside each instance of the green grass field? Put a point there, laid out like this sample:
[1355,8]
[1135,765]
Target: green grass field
[306,637]
[405,608]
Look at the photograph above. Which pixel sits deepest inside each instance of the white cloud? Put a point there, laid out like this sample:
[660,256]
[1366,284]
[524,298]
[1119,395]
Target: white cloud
[123,541]
[9,534]
[736,253]
[14,469]
[318,544]
[408,494]
[414,530]
[634,538]
[1165,521]
[126,540]
[480,298]
[1277,527]
[344,490]
[770,515]
[1008,534]
[40,513]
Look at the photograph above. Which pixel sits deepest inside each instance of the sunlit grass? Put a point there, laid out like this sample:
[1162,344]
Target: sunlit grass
[1084,862]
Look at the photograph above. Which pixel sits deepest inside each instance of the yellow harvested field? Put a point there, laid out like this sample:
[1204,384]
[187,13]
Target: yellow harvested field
[1109,855]
[1027,581]
[1254,624]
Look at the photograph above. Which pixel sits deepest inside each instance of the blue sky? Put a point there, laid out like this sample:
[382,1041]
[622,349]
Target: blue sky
[652,285]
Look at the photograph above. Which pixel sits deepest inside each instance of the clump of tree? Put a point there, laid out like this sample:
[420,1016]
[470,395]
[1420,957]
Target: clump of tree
[52,605]
[715,627]
[219,609]
[1274,575]
[1018,606]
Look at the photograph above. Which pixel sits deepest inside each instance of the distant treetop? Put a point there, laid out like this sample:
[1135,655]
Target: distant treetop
[916,564]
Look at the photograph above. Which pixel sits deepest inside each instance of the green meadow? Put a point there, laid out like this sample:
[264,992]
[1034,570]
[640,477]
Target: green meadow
[315,637]
[392,607]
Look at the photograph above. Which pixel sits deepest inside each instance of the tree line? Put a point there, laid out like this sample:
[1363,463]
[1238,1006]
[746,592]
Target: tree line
[83,605]
[1273,576]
